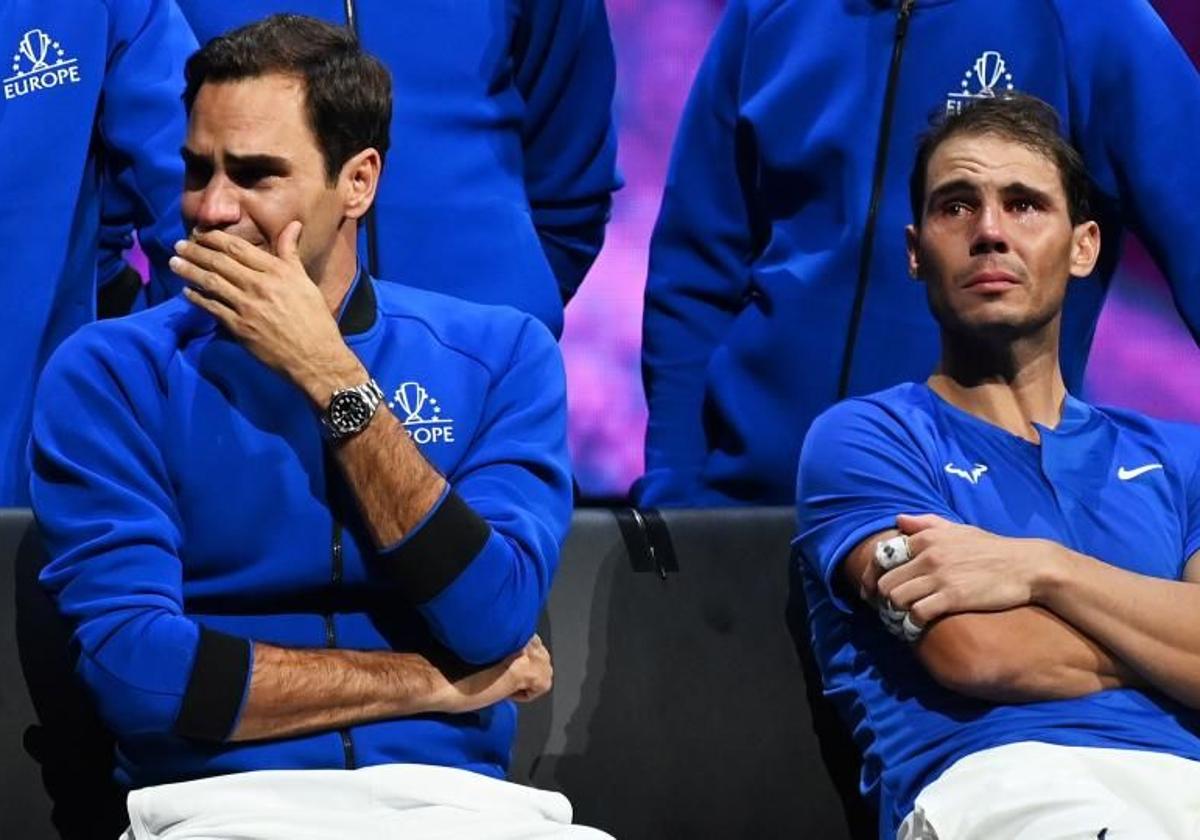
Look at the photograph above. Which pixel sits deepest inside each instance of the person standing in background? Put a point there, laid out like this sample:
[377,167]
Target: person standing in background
[91,125]
[502,184]
[774,288]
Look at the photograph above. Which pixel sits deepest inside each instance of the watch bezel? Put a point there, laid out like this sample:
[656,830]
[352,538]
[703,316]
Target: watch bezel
[350,410]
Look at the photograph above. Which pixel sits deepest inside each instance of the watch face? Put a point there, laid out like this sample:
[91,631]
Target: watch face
[348,412]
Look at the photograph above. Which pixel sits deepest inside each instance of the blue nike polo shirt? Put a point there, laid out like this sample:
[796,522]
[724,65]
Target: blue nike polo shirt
[1112,484]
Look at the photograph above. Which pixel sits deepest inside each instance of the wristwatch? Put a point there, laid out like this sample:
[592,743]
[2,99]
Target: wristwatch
[351,409]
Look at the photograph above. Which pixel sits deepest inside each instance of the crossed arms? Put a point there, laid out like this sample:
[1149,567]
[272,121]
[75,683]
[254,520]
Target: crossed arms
[1018,620]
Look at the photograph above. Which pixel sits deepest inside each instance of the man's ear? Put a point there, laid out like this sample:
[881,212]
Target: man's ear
[911,238]
[358,181]
[1085,248]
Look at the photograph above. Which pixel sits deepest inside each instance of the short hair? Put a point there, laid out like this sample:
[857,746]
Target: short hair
[347,91]
[1018,117]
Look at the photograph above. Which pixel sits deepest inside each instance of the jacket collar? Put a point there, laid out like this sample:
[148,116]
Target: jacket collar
[358,314]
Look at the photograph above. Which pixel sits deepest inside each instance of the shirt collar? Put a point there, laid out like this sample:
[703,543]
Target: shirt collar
[357,312]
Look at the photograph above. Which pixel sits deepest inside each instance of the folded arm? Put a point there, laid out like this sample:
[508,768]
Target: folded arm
[1016,655]
[293,692]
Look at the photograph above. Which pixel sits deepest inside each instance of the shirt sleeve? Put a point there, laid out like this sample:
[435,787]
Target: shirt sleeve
[1135,106]
[480,565]
[565,71]
[106,510]
[700,256]
[142,126]
[860,467]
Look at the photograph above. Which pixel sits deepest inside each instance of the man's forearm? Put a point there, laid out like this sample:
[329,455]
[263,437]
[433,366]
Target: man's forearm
[1020,655]
[1151,624]
[1017,655]
[293,691]
[296,691]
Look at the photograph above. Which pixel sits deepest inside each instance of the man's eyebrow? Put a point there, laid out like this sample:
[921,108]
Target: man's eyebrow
[1021,189]
[959,186]
[266,163]
[191,157]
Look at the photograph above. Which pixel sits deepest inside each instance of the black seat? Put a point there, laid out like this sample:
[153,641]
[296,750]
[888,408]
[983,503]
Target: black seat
[679,709]
[45,715]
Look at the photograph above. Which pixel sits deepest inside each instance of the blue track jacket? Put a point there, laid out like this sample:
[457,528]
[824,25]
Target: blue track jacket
[503,161]
[189,505]
[90,124]
[755,259]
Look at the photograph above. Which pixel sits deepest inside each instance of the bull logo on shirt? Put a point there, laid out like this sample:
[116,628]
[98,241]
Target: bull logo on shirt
[972,475]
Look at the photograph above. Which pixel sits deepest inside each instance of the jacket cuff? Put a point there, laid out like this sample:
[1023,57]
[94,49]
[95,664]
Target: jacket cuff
[216,688]
[433,555]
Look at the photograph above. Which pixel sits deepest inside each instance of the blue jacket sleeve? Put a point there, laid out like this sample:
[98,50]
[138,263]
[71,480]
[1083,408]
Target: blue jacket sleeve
[107,513]
[565,70]
[700,256]
[1135,105]
[481,563]
[859,469]
[142,126]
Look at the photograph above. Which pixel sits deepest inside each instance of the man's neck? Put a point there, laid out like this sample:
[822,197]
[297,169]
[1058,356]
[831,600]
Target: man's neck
[334,275]
[1012,387]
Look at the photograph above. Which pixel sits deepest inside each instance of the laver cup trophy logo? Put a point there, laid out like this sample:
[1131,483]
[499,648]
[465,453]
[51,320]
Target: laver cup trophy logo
[422,418]
[39,64]
[411,398]
[34,46]
[988,76]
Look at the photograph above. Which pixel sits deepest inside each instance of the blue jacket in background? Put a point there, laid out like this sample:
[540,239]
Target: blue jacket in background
[91,124]
[189,505]
[755,258]
[503,161]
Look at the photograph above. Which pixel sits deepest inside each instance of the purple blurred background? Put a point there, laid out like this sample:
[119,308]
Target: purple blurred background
[1143,357]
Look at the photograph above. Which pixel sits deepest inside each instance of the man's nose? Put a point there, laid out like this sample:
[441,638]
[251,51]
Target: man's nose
[989,234]
[219,206]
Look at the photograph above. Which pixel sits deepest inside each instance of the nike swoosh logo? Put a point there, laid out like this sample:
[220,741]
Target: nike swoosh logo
[1125,474]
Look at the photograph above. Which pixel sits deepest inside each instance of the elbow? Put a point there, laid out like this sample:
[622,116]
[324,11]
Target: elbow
[484,645]
[125,710]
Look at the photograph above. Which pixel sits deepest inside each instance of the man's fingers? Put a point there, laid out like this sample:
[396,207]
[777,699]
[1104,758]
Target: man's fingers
[930,608]
[889,582]
[910,524]
[210,284]
[287,246]
[910,592]
[238,249]
[212,306]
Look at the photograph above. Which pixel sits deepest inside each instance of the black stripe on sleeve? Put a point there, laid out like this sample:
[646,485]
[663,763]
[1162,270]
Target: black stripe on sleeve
[437,552]
[215,689]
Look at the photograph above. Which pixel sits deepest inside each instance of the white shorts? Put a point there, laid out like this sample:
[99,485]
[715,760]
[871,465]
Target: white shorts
[1035,791]
[372,803]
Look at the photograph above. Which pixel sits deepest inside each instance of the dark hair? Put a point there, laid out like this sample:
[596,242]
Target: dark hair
[348,92]
[1018,117]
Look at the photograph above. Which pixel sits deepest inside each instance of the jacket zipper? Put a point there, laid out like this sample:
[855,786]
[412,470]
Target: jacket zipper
[336,568]
[351,11]
[881,150]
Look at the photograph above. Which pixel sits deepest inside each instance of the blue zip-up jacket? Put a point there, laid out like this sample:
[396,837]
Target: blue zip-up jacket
[503,161]
[189,505]
[755,259]
[90,125]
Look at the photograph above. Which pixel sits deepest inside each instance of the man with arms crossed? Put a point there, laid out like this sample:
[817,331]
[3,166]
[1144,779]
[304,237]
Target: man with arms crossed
[302,521]
[1032,554]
